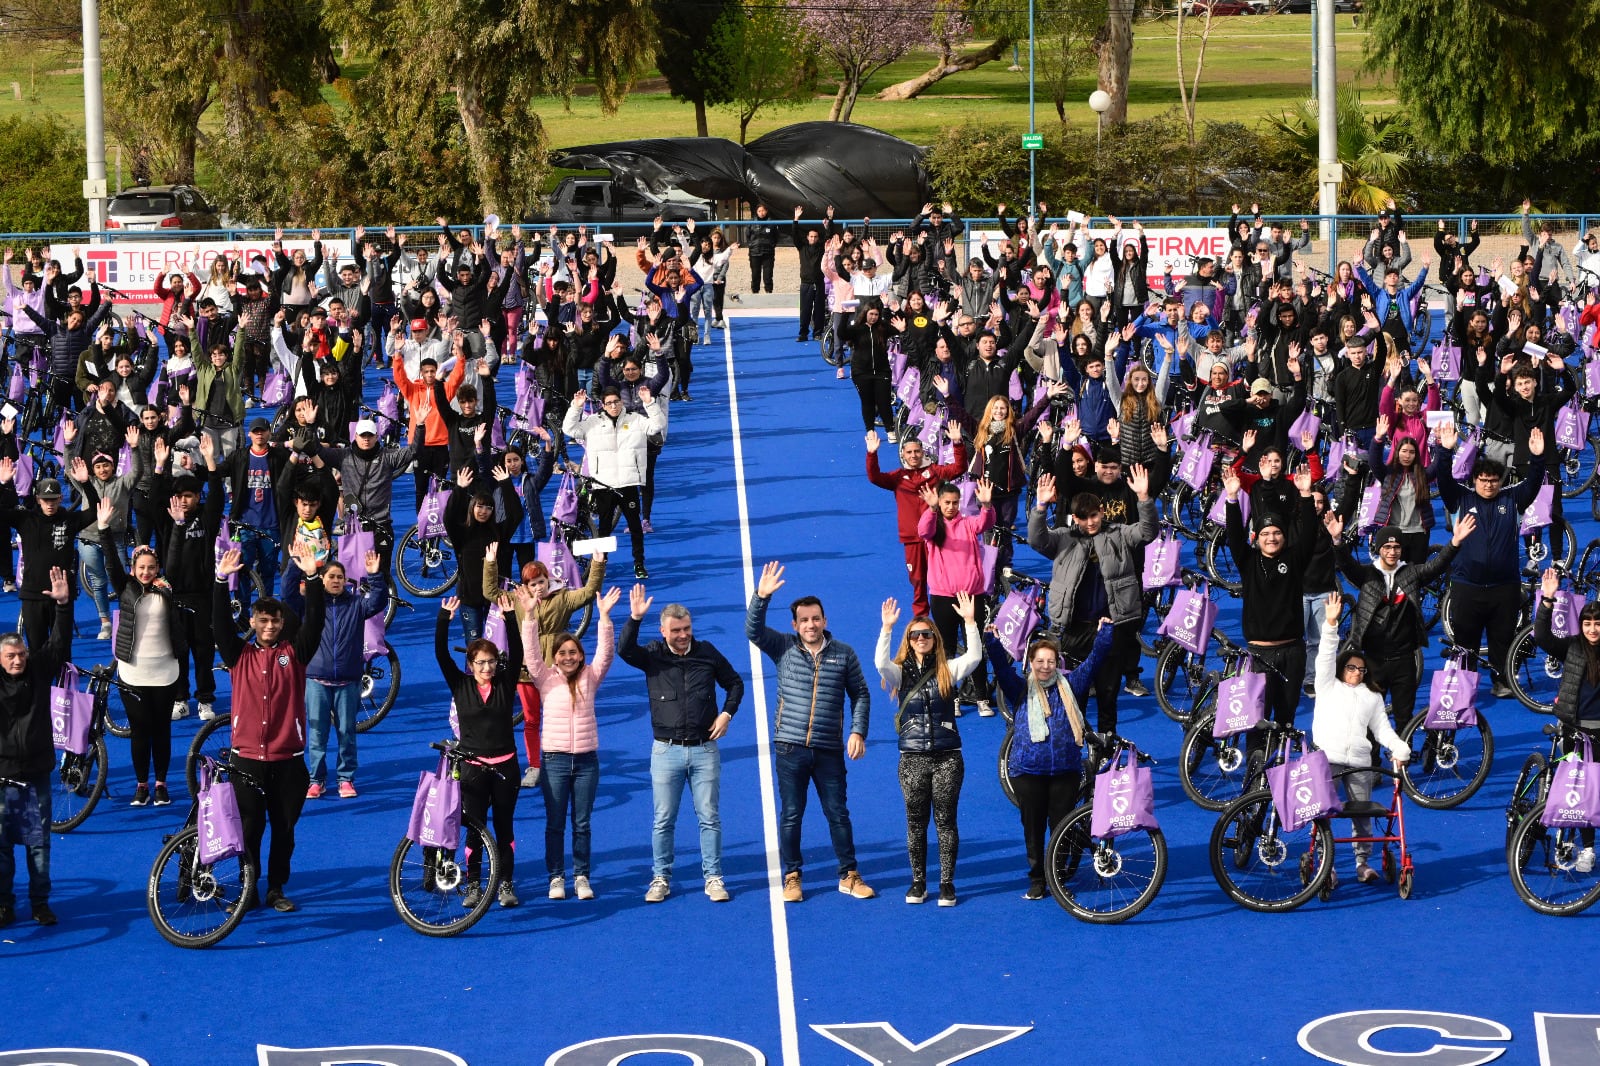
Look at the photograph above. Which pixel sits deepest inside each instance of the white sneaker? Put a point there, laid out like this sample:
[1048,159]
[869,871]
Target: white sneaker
[530,777]
[1585,860]
[580,887]
[180,710]
[985,709]
[105,629]
[206,712]
[558,888]
[717,891]
[658,891]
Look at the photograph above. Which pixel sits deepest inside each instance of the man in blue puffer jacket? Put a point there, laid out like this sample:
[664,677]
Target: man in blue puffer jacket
[333,677]
[815,674]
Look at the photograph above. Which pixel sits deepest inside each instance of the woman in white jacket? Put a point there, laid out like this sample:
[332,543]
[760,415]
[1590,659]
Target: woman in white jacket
[616,445]
[1347,707]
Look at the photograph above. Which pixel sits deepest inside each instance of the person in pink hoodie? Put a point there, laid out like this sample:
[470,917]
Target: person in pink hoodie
[570,742]
[1407,406]
[956,562]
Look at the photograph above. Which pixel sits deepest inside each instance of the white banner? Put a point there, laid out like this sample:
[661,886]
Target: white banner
[1175,247]
[132,266]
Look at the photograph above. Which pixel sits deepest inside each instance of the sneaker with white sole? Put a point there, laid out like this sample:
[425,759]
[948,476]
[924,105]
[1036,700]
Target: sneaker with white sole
[207,712]
[1585,861]
[852,885]
[530,777]
[985,709]
[507,895]
[581,887]
[558,888]
[105,629]
[658,891]
[180,710]
[716,891]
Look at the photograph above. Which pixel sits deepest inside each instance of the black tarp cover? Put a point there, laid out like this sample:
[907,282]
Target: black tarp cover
[859,170]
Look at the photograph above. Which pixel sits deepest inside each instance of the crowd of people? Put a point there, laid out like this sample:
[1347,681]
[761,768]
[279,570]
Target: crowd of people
[1041,375]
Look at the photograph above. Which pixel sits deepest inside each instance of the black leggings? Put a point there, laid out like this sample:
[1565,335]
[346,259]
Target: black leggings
[719,289]
[682,362]
[607,502]
[149,710]
[1043,801]
[483,790]
[647,496]
[876,402]
[931,783]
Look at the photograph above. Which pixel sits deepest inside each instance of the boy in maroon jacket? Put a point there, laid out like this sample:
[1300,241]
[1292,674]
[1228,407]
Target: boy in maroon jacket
[906,484]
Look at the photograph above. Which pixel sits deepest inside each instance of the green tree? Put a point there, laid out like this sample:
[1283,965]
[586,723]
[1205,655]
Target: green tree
[1375,150]
[1065,36]
[695,61]
[493,57]
[770,62]
[44,164]
[1507,80]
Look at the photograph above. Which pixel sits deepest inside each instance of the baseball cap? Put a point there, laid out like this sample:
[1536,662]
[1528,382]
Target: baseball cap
[419,325]
[1260,385]
[366,425]
[260,425]
[48,489]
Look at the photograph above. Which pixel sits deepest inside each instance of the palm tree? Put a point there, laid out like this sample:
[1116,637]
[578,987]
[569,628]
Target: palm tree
[1375,150]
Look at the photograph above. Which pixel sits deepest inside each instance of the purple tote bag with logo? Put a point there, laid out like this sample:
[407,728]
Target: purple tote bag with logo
[1241,701]
[436,810]
[1452,697]
[1124,797]
[221,828]
[1302,788]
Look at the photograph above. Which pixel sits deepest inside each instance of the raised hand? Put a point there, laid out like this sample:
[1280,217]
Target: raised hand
[930,495]
[464,477]
[1549,582]
[79,469]
[984,491]
[608,599]
[639,602]
[1381,427]
[450,605]
[373,562]
[1464,527]
[1230,483]
[1536,441]
[771,579]
[60,591]
[872,442]
[889,612]
[1331,608]
[1047,490]
[966,607]
[232,562]
[1333,524]
[1139,481]
[1449,436]
[1302,480]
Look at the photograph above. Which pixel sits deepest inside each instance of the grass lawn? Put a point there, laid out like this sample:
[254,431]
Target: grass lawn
[1255,66]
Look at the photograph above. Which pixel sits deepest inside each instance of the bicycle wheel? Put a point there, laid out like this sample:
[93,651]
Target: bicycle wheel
[116,721]
[195,906]
[1527,794]
[1578,469]
[425,566]
[1103,881]
[1005,776]
[1447,765]
[1263,866]
[1430,604]
[1180,679]
[1156,604]
[1536,546]
[380,686]
[828,344]
[1533,674]
[77,785]
[213,739]
[239,601]
[1212,770]
[432,888]
[1544,868]
[1218,560]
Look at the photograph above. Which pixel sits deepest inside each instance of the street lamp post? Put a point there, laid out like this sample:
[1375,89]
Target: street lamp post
[1099,103]
[1032,195]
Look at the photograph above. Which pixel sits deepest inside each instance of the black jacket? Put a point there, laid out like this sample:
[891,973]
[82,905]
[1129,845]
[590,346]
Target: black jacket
[26,751]
[810,255]
[472,539]
[683,688]
[49,541]
[188,549]
[177,632]
[485,723]
[1388,624]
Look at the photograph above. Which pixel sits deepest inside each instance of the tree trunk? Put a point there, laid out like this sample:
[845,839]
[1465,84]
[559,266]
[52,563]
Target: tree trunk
[838,107]
[948,64]
[744,124]
[1116,59]
[700,119]
[469,104]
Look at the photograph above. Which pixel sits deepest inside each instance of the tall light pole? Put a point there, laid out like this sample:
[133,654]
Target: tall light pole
[1032,132]
[1330,173]
[94,187]
[1099,103]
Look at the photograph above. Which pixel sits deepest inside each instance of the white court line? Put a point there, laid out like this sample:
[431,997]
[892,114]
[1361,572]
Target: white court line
[788,1030]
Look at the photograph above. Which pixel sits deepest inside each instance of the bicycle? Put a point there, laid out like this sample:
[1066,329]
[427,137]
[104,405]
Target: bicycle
[1533,780]
[432,558]
[1543,861]
[79,781]
[1214,771]
[435,892]
[212,742]
[380,676]
[1103,879]
[1180,673]
[1533,674]
[1447,766]
[195,904]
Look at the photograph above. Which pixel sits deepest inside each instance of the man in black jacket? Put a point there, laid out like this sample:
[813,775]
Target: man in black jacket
[813,297]
[186,533]
[27,753]
[49,536]
[761,239]
[682,675]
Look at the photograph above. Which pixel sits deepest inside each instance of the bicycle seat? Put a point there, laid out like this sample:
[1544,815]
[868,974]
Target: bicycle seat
[1363,809]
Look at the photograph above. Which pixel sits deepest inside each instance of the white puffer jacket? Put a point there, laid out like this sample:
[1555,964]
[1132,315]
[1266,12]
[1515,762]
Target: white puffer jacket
[616,447]
[1344,712]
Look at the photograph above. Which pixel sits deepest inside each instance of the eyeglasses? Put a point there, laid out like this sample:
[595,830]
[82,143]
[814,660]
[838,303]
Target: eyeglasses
[486,662]
[1362,670]
[920,634]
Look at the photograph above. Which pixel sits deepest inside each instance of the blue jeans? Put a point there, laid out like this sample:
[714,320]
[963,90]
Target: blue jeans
[585,379]
[1316,612]
[823,768]
[93,554]
[338,705]
[36,796]
[671,765]
[568,778]
[259,551]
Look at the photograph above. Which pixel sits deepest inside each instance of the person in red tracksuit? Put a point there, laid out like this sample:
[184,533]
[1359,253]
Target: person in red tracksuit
[907,484]
[269,713]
